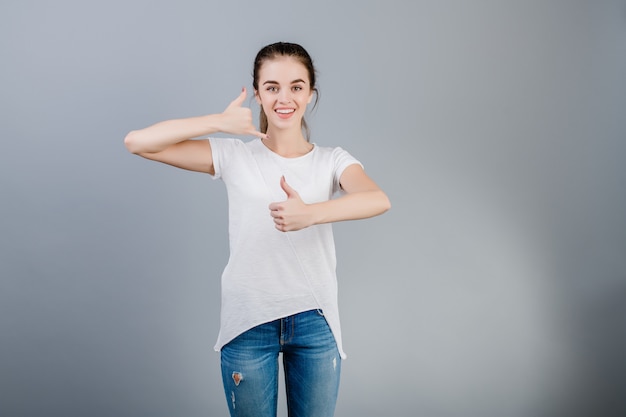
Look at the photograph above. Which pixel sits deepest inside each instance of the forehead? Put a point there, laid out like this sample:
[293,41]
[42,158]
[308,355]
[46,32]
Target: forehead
[283,69]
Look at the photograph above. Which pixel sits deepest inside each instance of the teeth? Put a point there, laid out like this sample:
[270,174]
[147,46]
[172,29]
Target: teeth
[285,111]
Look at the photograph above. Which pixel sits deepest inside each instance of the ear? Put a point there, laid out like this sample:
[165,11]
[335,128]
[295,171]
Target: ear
[256,96]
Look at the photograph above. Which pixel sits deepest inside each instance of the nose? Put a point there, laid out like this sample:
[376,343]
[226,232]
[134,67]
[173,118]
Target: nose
[284,96]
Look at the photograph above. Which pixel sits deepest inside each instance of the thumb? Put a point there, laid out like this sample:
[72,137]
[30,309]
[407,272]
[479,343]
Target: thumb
[287,188]
[240,99]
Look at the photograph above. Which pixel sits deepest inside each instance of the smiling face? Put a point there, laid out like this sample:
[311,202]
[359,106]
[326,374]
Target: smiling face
[284,91]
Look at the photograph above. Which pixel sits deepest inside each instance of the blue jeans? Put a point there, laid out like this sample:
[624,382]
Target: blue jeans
[310,359]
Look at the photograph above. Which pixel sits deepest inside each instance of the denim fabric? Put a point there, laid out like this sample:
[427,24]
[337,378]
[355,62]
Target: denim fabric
[310,359]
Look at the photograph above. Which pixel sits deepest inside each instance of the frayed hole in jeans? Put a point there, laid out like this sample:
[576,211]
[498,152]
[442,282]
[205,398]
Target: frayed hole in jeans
[237,377]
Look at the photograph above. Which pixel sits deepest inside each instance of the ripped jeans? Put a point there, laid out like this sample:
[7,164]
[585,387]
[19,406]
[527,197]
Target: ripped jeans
[311,363]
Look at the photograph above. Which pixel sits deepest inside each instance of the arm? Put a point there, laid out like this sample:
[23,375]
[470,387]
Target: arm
[363,199]
[170,141]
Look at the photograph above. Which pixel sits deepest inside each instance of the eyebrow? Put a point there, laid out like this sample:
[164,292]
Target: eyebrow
[299,80]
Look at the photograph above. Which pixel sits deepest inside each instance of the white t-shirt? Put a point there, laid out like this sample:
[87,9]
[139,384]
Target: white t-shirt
[272,274]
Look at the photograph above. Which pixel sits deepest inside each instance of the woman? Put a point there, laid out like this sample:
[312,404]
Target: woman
[279,288]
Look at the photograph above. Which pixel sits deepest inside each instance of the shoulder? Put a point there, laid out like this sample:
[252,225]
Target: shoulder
[337,155]
[229,147]
[230,154]
[226,143]
[331,151]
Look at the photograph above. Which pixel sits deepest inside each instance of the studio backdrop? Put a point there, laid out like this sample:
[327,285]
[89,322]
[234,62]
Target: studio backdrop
[493,287]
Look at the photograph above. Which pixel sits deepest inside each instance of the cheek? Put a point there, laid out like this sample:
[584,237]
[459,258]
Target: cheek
[264,101]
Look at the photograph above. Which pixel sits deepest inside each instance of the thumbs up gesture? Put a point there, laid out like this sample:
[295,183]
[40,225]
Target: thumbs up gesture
[291,214]
[237,119]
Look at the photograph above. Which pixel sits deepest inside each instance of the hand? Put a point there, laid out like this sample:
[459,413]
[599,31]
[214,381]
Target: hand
[291,214]
[237,120]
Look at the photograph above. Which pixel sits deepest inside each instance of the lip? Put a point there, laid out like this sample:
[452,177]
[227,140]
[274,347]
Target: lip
[285,115]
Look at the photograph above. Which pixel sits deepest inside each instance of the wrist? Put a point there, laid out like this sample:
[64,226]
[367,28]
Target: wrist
[315,213]
[212,123]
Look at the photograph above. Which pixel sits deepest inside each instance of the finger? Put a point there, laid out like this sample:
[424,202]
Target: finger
[275,214]
[258,134]
[240,99]
[279,222]
[286,188]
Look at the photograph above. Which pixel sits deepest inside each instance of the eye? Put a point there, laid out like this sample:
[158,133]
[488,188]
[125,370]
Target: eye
[272,88]
[297,88]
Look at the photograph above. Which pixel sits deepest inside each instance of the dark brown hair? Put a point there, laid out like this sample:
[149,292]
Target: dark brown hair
[284,49]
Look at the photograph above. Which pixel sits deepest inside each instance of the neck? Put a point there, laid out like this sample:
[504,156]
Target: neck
[287,143]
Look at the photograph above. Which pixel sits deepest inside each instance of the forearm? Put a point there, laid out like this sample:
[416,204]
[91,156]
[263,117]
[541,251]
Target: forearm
[352,206]
[363,199]
[160,136]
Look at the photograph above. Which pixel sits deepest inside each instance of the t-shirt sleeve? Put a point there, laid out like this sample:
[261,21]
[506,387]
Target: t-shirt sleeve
[221,150]
[342,159]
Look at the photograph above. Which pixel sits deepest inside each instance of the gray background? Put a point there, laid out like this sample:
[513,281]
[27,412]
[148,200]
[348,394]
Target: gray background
[494,287]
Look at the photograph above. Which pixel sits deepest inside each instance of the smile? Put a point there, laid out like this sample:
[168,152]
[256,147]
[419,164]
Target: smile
[285,113]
